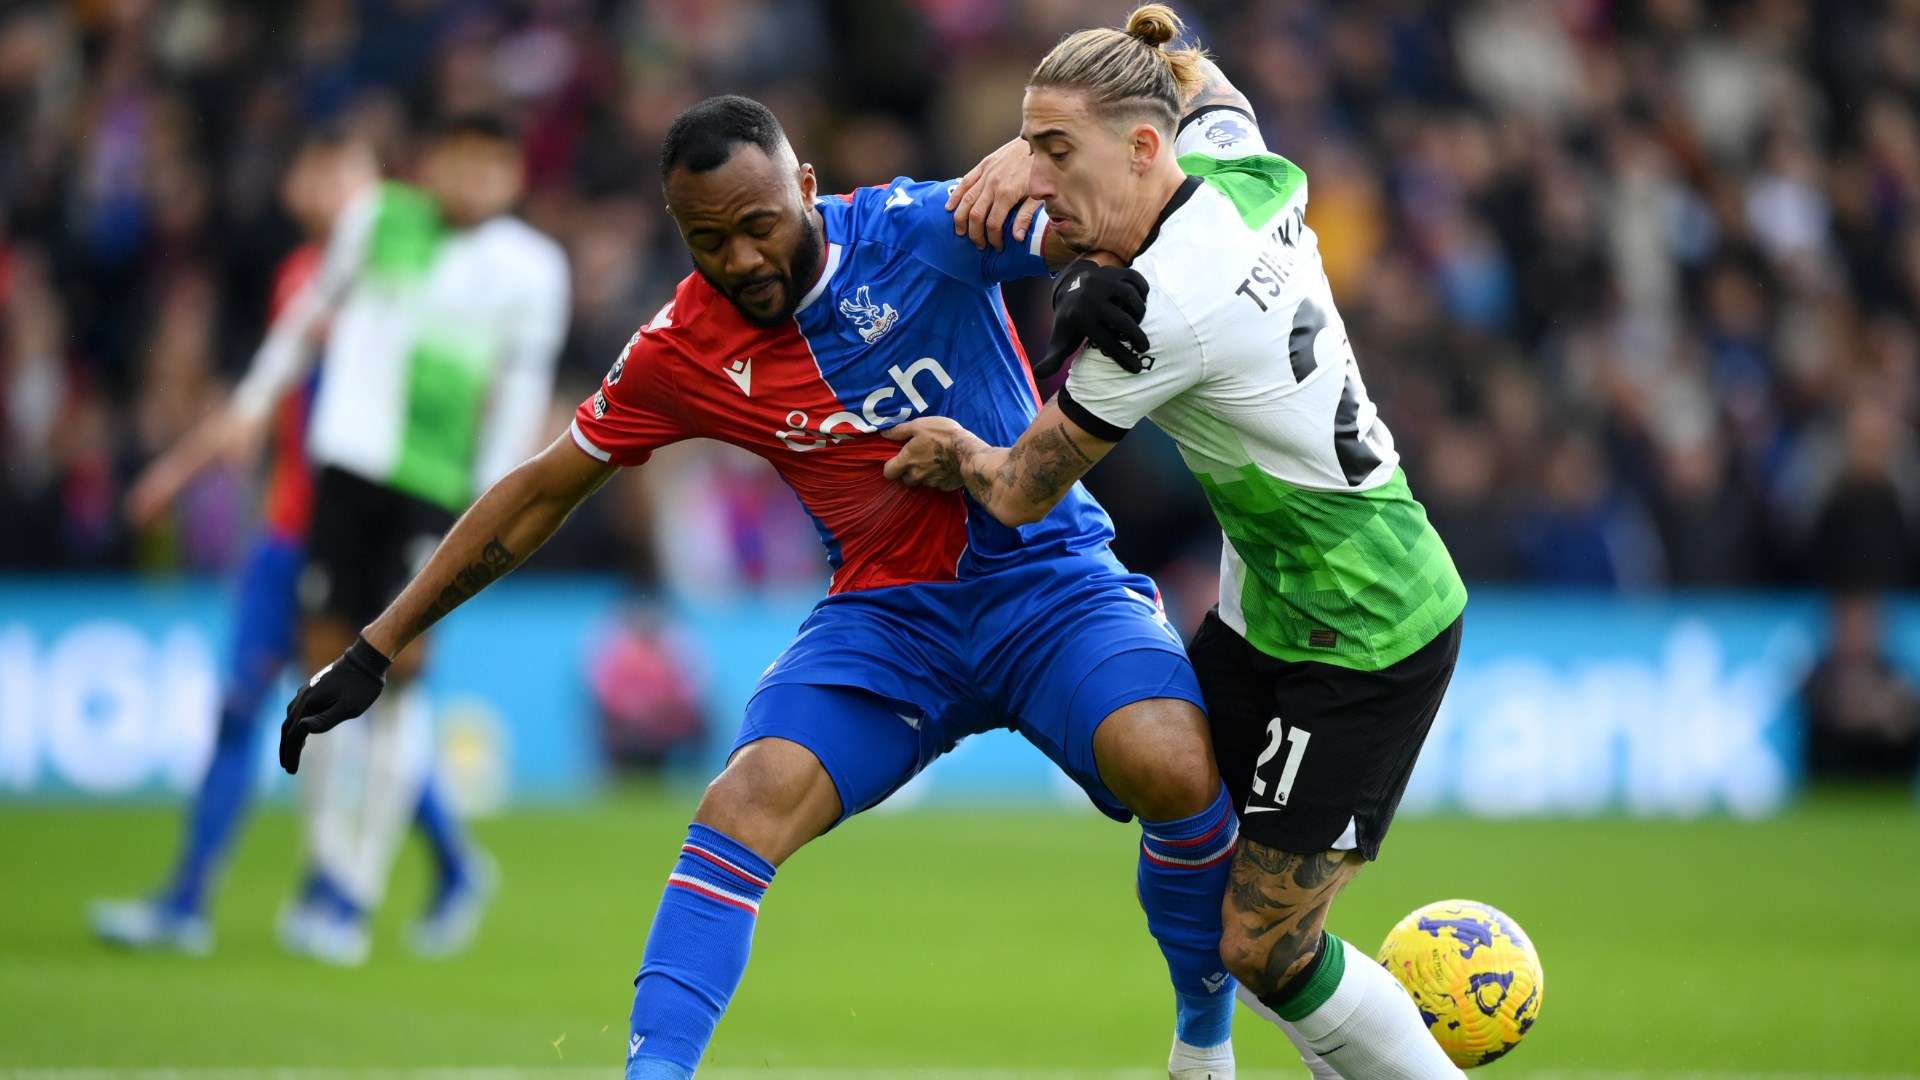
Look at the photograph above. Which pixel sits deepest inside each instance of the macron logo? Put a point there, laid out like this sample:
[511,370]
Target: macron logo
[741,372]
[1214,982]
[633,1046]
[898,199]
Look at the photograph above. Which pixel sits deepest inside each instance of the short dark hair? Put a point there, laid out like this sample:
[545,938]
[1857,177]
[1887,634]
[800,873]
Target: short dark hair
[480,125]
[703,137]
[328,135]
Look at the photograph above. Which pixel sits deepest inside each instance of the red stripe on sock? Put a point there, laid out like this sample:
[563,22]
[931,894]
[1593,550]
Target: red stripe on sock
[712,895]
[1198,840]
[689,849]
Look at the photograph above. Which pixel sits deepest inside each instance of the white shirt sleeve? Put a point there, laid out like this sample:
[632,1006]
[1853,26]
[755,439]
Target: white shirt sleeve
[288,350]
[1221,131]
[522,392]
[1107,400]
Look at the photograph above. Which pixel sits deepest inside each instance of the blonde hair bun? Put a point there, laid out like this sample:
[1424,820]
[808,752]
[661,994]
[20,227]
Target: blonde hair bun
[1154,24]
[1119,76]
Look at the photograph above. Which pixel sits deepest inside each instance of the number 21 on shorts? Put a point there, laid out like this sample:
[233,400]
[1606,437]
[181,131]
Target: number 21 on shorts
[1275,792]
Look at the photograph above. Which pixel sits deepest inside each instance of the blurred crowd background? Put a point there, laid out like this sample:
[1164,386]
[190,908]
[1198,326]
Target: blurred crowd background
[1636,284]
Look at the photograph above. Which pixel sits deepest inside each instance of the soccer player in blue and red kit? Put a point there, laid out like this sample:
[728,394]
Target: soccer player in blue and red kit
[811,325]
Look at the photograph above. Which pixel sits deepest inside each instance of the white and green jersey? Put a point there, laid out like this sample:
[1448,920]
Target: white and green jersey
[1327,555]
[439,359]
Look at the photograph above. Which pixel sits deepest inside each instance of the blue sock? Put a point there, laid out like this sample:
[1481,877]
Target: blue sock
[696,953]
[444,838]
[321,889]
[1182,879]
[225,790]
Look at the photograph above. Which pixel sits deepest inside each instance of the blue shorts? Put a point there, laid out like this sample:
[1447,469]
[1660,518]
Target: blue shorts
[266,620]
[879,683]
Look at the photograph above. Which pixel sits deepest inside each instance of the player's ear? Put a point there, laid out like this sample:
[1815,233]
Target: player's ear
[1144,147]
[809,184]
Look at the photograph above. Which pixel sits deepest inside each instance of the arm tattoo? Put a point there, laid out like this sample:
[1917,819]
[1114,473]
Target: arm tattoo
[979,485]
[946,465]
[495,560]
[1038,468]
[962,457]
[1046,466]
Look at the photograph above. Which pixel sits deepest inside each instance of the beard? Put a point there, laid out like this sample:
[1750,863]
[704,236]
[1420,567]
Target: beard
[803,263]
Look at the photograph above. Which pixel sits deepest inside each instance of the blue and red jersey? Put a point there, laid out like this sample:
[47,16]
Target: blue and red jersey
[289,494]
[905,320]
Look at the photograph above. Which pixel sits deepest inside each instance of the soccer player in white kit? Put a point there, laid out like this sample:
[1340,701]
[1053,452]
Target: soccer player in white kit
[1339,617]
[444,315]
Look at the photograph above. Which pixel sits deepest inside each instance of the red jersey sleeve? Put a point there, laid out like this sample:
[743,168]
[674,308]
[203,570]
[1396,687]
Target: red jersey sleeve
[293,274]
[633,413]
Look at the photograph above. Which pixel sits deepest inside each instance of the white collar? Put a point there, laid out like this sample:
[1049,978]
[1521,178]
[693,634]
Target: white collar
[826,275]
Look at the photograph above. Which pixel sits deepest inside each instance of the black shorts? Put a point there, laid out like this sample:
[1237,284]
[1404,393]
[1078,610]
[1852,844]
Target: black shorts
[1310,750]
[365,542]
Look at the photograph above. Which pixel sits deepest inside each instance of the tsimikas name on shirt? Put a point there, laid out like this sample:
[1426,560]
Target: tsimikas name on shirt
[1268,276]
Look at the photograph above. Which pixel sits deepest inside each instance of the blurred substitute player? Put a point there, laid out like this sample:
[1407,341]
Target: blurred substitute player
[447,316]
[323,177]
[1339,615]
[810,326]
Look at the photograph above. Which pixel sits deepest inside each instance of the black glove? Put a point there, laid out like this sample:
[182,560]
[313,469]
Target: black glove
[1100,306]
[337,693]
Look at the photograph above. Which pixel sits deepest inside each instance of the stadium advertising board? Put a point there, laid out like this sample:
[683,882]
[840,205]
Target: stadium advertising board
[1562,704]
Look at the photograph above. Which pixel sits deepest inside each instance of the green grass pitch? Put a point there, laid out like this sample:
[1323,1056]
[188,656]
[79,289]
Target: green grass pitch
[983,944]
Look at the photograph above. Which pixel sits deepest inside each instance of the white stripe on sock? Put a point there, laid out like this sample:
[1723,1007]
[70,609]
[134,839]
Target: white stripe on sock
[698,885]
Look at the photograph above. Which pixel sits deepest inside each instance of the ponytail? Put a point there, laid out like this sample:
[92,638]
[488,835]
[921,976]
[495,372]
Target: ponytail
[1129,70]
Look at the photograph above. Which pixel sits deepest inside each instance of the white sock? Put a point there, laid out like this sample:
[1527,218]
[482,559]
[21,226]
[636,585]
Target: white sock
[399,752]
[331,768]
[1212,1062]
[1315,1065]
[1356,1017]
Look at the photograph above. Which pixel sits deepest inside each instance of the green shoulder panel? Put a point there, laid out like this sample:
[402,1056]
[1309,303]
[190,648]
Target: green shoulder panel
[1259,185]
[407,231]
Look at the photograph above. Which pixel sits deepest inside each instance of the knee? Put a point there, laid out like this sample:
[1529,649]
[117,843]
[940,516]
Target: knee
[1177,780]
[774,796]
[1264,965]
[1155,756]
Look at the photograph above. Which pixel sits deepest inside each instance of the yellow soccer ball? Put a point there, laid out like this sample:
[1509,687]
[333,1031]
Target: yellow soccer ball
[1473,973]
